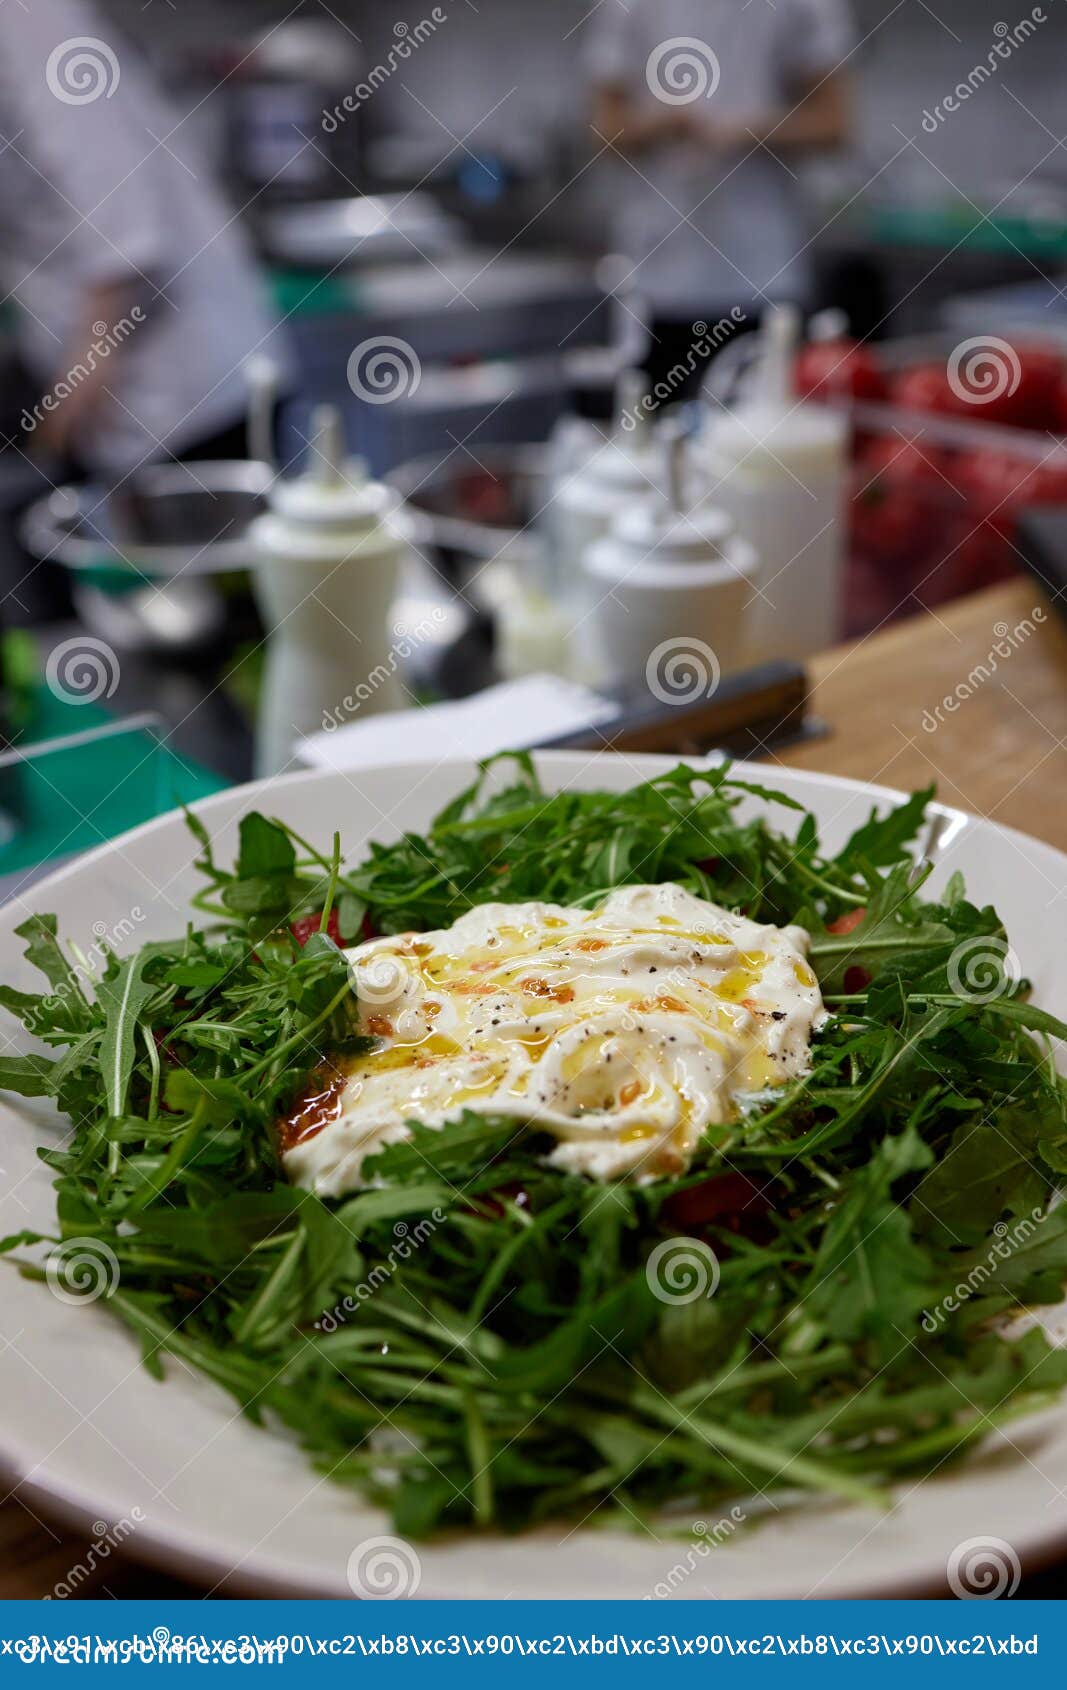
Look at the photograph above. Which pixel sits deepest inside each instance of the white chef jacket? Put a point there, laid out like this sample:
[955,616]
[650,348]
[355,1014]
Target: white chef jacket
[746,233]
[89,195]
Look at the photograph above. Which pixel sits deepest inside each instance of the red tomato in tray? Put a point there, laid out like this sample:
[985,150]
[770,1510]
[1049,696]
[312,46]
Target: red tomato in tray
[926,387]
[981,558]
[838,369]
[483,497]
[994,483]
[1012,386]
[989,476]
[999,484]
[890,523]
[1048,483]
[1036,400]
[903,497]
[907,461]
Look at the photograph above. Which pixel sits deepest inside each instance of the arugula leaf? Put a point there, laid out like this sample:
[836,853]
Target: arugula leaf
[617,1321]
[990,1168]
[122,996]
[44,951]
[265,850]
[30,1076]
[470,1143]
[892,929]
[882,840]
[870,1276]
[1026,1260]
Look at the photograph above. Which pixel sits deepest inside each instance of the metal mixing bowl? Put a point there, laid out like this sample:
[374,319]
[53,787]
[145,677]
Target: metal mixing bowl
[157,560]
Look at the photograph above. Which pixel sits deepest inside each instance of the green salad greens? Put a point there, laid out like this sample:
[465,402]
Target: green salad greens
[479,1340]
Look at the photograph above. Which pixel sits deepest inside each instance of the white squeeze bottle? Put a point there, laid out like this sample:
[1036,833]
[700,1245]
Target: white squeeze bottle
[328,554]
[778,465]
[588,495]
[672,590]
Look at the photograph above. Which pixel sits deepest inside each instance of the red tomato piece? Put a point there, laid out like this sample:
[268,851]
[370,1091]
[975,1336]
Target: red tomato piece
[495,1201]
[908,462]
[925,387]
[1035,401]
[838,369]
[305,925]
[1000,484]
[730,1200]
[891,524]
[848,922]
[1050,481]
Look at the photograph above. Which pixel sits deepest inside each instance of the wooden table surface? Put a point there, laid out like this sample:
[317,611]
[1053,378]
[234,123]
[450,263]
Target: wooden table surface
[974,698]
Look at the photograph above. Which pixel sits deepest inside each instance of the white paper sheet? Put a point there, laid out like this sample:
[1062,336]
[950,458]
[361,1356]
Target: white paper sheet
[507,717]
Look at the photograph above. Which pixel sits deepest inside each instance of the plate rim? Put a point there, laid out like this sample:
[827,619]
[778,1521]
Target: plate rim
[640,761]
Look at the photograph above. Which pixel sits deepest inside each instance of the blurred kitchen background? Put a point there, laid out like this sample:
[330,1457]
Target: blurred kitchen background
[456,313]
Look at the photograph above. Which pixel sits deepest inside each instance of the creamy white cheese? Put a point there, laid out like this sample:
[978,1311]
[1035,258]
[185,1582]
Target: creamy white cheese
[623,1032]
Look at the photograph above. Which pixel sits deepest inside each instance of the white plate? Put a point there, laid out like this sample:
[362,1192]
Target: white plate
[84,1427]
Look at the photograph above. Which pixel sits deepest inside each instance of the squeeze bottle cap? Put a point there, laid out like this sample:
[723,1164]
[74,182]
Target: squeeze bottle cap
[667,529]
[771,428]
[333,490]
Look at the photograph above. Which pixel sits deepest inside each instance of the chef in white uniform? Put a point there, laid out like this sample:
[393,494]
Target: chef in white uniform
[709,103]
[136,293]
